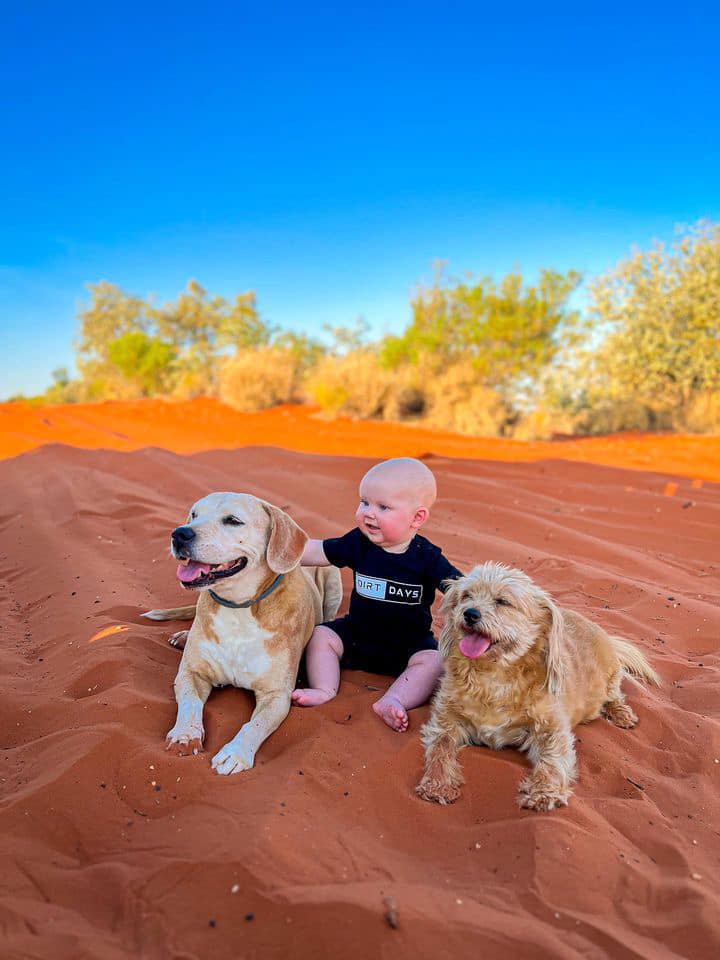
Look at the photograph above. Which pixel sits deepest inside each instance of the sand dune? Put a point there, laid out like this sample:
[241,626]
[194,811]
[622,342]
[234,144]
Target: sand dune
[206,424]
[115,849]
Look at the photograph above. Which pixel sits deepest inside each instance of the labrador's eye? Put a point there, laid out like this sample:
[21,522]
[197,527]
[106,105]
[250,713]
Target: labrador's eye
[233,521]
[502,602]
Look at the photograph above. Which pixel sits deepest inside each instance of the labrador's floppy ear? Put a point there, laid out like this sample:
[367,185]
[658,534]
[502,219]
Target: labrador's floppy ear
[286,541]
[554,652]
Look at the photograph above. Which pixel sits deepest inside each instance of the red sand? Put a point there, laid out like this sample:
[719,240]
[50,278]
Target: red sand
[206,424]
[114,849]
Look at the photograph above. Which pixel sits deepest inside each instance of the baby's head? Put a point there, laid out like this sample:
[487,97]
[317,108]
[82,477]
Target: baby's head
[395,500]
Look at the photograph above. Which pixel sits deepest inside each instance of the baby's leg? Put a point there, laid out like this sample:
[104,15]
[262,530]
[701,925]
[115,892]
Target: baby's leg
[322,661]
[413,687]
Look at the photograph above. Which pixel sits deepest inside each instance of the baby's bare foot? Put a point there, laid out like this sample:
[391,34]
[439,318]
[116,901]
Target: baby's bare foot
[392,712]
[309,697]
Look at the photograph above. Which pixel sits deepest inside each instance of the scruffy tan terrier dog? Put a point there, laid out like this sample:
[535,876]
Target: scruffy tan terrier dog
[522,672]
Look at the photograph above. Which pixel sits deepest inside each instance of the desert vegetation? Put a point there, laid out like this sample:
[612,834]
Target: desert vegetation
[503,357]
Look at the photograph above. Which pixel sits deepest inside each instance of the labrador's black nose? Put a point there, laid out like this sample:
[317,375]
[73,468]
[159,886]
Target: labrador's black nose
[181,536]
[472,616]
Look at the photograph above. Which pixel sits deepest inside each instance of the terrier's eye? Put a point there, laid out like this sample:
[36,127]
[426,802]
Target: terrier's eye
[193,515]
[502,602]
[232,521]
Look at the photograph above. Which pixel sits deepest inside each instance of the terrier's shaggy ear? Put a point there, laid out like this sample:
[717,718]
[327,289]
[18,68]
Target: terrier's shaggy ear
[555,678]
[286,542]
[452,589]
[446,588]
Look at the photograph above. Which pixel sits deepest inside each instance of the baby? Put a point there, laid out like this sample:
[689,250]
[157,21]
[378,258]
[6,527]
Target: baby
[396,573]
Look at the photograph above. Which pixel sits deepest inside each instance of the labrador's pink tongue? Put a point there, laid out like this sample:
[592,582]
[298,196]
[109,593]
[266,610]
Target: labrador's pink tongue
[474,645]
[187,572]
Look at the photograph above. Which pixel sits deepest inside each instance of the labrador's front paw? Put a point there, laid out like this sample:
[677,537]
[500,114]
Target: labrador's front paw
[185,740]
[234,757]
[178,639]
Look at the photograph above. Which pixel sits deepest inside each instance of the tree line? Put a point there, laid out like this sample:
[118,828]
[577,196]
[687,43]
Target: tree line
[481,356]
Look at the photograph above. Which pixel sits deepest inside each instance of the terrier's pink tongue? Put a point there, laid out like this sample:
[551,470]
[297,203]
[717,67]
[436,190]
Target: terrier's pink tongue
[474,645]
[187,572]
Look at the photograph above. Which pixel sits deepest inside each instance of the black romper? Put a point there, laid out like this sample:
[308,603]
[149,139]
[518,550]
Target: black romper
[389,618]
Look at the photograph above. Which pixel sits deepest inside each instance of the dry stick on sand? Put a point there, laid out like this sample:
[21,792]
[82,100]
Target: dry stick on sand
[390,915]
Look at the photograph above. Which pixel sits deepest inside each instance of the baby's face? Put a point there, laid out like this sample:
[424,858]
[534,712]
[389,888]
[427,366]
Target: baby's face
[387,513]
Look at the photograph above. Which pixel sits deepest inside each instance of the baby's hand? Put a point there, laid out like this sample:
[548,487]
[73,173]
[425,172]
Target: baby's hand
[314,555]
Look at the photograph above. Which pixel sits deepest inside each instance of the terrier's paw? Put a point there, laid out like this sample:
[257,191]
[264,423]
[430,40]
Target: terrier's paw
[621,715]
[437,791]
[233,758]
[542,797]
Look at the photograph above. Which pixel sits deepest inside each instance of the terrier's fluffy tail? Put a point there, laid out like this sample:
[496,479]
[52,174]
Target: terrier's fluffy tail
[634,662]
[173,613]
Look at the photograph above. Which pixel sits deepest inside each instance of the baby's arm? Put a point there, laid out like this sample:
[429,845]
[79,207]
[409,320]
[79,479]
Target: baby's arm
[445,573]
[314,555]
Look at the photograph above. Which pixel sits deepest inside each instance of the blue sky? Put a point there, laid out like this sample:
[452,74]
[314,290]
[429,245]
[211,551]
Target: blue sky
[324,155]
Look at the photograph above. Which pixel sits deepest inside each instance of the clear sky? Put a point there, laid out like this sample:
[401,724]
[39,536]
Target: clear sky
[324,155]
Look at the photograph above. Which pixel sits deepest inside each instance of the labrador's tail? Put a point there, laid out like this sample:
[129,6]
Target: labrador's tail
[332,595]
[173,613]
[329,584]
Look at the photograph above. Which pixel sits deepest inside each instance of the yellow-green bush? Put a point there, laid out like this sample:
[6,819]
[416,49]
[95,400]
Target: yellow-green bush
[258,378]
[614,414]
[456,400]
[700,415]
[354,384]
[191,383]
[544,422]
[108,385]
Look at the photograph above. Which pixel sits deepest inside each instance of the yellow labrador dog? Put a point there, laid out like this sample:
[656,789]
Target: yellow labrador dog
[256,611]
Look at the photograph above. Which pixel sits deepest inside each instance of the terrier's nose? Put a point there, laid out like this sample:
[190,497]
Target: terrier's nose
[181,536]
[472,616]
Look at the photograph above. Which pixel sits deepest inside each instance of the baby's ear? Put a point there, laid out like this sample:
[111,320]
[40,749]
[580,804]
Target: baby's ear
[421,515]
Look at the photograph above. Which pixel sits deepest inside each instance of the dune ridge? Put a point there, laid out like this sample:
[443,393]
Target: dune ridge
[207,424]
[115,849]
